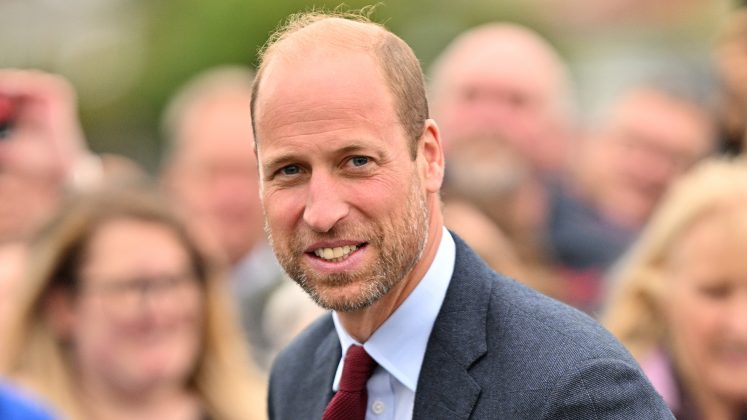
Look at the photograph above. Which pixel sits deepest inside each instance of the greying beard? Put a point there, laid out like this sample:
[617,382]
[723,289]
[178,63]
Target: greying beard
[394,264]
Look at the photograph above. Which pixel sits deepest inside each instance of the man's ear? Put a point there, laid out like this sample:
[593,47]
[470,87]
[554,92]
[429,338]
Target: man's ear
[431,157]
[60,312]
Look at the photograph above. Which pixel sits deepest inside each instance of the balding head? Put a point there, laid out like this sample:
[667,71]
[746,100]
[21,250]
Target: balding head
[318,33]
[505,81]
[503,49]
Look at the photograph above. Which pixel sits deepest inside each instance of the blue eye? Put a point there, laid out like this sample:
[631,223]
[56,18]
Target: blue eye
[290,170]
[359,160]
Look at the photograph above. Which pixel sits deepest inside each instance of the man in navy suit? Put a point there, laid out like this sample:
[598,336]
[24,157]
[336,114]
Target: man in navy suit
[350,171]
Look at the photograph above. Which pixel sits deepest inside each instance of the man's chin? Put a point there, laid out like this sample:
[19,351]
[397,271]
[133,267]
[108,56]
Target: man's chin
[349,297]
[345,304]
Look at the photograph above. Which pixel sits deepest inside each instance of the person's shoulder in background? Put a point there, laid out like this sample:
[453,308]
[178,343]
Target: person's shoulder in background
[15,404]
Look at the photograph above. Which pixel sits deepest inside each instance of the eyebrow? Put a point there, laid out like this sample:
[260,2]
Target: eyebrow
[278,162]
[352,148]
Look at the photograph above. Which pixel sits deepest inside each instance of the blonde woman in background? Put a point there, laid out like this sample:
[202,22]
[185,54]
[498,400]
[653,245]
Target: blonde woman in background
[681,295]
[122,317]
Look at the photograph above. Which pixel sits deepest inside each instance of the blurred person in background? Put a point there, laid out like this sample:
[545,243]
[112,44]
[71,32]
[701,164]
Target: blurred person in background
[13,261]
[503,99]
[649,137]
[42,149]
[731,62]
[123,317]
[15,405]
[211,170]
[680,301]
[43,156]
[289,310]
[483,235]
[504,81]
[497,202]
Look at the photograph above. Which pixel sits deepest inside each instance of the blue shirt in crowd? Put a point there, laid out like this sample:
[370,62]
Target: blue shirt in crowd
[16,405]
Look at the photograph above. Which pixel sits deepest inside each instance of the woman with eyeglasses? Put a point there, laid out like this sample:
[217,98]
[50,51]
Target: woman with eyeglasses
[122,317]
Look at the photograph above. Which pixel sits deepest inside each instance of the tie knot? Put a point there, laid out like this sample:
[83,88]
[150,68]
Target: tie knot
[358,367]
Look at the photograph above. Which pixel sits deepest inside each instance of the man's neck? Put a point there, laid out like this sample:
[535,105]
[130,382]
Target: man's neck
[362,324]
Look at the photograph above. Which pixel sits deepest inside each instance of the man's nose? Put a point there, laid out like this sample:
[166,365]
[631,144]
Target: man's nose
[325,205]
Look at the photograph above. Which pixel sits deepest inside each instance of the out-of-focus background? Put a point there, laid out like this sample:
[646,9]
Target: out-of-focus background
[126,57]
[595,152]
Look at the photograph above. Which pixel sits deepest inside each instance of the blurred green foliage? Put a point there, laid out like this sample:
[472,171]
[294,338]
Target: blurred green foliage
[172,40]
[184,37]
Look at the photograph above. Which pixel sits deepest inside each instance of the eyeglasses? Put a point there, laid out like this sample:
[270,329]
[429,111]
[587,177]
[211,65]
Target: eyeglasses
[125,296]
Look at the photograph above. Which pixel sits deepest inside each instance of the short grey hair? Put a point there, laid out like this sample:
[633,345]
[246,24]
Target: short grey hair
[400,66]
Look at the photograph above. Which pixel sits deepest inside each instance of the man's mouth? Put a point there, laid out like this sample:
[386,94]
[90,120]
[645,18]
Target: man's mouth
[337,254]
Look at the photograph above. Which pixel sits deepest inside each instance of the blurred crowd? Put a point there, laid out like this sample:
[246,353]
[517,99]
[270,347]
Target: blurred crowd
[128,295]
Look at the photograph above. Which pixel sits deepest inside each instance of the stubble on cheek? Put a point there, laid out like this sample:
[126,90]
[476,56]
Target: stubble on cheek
[397,245]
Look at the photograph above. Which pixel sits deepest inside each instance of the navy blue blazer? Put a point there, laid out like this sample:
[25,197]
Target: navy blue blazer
[498,350]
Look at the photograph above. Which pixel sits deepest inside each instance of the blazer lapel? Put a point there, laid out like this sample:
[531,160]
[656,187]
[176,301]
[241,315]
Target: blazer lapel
[446,390]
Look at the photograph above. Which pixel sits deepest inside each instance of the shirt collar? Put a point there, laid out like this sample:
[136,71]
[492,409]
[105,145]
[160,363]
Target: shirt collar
[398,345]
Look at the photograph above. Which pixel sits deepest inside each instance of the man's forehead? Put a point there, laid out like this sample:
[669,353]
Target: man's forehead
[323,65]
[346,85]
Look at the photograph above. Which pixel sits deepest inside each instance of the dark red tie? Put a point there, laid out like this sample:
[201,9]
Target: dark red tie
[349,403]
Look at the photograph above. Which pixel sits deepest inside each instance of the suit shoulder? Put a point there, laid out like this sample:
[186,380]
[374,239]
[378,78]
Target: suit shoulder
[516,314]
[302,373]
[299,354]
[560,362]
[527,315]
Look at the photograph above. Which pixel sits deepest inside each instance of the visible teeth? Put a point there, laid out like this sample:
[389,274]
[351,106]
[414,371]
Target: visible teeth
[335,254]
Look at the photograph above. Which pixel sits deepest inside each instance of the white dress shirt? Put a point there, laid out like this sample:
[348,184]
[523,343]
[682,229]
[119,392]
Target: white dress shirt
[398,345]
